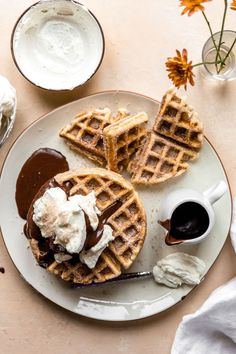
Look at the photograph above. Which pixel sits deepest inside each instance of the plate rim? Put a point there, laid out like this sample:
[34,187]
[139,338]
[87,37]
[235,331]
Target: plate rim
[53,301]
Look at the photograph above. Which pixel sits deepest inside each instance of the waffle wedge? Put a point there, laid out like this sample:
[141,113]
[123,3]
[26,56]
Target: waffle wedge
[158,160]
[122,139]
[176,138]
[177,120]
[84,134]
[128,224]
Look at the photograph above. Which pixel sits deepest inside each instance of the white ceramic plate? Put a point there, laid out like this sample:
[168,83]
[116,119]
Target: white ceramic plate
[121,301]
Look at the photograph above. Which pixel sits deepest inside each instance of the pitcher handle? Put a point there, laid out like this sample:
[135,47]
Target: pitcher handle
[215,192]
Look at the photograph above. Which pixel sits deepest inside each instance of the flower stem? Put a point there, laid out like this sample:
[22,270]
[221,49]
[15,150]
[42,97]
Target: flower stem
[227,55]
[208,62]
[221,35]
[212,36]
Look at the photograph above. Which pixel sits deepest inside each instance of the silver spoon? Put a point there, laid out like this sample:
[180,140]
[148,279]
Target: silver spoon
[125,276]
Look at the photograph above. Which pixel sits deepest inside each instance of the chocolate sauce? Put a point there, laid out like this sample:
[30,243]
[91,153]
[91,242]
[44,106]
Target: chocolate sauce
[93,237]
[165,224]
[42,165]
[189,221]
[170,241]
[2,270]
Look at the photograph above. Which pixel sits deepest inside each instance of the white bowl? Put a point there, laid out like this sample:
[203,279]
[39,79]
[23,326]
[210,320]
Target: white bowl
[57,45]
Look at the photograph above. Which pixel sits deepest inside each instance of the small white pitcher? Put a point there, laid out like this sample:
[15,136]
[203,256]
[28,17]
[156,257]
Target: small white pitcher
[180,196]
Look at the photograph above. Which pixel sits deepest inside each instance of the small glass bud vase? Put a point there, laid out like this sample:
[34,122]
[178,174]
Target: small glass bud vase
[226,72]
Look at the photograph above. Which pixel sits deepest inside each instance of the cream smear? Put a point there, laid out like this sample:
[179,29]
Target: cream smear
[58,44]
[179,268]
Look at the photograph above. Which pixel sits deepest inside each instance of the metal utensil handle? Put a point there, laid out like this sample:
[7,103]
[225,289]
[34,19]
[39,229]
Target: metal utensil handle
[125,276]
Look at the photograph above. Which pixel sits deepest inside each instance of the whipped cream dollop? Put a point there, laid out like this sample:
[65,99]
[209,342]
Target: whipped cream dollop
[46,210]
[88,204]
[64,219]
[70,227]
[7,100]
[179,268]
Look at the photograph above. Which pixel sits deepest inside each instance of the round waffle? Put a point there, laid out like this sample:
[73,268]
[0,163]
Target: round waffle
[128,223]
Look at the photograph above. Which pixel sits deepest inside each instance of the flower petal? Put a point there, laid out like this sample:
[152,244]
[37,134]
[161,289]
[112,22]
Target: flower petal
[180,71]
[192,6]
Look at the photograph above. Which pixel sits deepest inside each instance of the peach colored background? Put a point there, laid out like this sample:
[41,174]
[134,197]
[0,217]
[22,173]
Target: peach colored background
[139,37]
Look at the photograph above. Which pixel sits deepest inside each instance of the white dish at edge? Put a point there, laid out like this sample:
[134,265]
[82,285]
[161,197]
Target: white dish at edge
[121,301]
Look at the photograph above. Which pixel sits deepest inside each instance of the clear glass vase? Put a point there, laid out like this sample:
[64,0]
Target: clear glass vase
[228,72]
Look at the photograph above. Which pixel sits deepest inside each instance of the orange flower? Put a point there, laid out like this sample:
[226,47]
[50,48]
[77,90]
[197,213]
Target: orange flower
[233,5]
[192,6]
[180,71]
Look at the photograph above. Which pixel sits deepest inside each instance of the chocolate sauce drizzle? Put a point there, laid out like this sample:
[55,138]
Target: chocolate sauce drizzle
[93,237]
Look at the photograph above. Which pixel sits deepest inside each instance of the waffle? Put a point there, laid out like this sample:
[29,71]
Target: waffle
[122,139]
[176,138]
[177,120]
[158,160]
[128,224]
[84,134]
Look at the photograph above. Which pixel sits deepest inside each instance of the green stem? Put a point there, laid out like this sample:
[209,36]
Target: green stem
[211,32]
[221,34]
[212,36]
[207,62]
[227,55]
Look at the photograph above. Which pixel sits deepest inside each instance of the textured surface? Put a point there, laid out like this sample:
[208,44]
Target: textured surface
[178,120]
[159,160]
[176,137]
[84,134]
[29,324]
[122,139]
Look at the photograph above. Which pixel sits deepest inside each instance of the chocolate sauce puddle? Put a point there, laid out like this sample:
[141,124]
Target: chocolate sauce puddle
[42,165]
[93,237]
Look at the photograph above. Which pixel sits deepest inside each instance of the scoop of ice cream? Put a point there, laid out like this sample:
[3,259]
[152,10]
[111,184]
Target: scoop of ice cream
[7,99]
[177,269]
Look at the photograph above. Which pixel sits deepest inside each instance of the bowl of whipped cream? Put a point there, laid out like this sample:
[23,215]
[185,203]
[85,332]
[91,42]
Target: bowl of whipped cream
[57,45]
